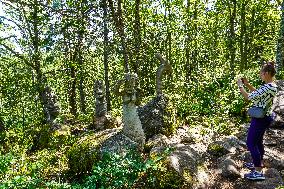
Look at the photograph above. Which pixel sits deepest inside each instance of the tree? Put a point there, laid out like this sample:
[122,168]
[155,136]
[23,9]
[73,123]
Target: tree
[280,42]
[29,18]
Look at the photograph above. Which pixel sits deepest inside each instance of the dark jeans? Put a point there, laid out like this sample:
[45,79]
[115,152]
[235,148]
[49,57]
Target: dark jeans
[255,138]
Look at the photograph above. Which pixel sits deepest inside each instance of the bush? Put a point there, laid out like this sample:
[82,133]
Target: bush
[82,156]
[131,170]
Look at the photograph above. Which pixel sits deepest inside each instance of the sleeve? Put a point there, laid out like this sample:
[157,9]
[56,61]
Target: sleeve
[262,91]
[254,95]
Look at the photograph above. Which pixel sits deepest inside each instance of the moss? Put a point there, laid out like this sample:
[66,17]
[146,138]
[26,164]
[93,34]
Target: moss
[216,150]
[166,177]
[188,177]
[82,155]
[161,174]
[40,136]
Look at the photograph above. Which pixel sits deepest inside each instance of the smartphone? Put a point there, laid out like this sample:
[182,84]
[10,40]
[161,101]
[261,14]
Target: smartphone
[242,79]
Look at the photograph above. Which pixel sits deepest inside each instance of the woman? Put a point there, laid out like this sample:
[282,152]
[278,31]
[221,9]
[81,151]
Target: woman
[261,97]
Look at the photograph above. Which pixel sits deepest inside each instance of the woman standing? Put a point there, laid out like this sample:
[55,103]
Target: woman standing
[262,98]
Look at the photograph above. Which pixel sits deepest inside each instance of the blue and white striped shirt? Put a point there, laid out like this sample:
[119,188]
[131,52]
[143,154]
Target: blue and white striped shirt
[263,96]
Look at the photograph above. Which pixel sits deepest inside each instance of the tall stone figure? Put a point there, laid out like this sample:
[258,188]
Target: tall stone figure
[132,126]
[102,119]
[51,107]
[99,91]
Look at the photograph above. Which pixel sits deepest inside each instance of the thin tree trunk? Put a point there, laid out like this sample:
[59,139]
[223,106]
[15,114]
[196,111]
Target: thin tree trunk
[243,37]
[137,36]
[169,27]
[118,21]
[187,41]
[36,56]
[195,65]
[81,62]
[81,85]
[72,91]
[106,50]
[280,45]
[232,47]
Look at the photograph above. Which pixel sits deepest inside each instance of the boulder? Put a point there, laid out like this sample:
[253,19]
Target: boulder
[186,162]
[278,106]
[228,167]
[90,148]
[228,144]
[157,116]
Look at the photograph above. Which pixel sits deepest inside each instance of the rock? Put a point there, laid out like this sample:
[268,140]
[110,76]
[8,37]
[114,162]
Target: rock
[184,135]
[278,106]
[158,140]
[118,143]
[184,157]
[99,94]
[132,126]
[104,122]
[157,117]
[246,157]
[229,144]
[228,168]
[274,158]
[50,105]
[90,148]
[186,162]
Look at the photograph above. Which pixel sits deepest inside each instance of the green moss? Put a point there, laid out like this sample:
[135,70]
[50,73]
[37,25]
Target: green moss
[216,150]
[170,120]
[82,155]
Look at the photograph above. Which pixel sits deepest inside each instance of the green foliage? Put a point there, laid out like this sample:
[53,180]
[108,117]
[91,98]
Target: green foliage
[31,172]
[82,156]
[195,38]
[216,150]
[116,171]
[132,170]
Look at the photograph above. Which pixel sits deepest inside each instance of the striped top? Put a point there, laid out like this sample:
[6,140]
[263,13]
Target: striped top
[263,96]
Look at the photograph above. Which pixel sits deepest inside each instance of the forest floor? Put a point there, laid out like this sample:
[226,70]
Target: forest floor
[273,171]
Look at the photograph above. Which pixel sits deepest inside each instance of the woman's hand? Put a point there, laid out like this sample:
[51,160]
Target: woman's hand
[245,81]
[240,83]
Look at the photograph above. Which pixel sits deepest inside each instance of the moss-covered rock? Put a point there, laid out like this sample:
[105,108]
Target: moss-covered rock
[82,155]
[158,116]
[181,167]
[89,149]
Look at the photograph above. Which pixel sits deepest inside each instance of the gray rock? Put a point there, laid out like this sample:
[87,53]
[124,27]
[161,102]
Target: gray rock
[229,144]
[117,143]
[99,93]
[152,116]
[228,168]
[278,106]
[274,158]
[158,140]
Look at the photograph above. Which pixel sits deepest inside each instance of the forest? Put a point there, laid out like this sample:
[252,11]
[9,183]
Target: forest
[93,93]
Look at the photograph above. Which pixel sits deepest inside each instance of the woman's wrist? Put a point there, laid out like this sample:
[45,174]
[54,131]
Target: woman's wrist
[241,85]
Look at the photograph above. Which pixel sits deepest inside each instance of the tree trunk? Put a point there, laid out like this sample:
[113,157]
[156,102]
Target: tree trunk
[243,37]
[36,56]
[72,91]
[118,21]
[280,45]
[81,82]
[232,37]
[106,50]
[187,41]
[81,89]
[137,36]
